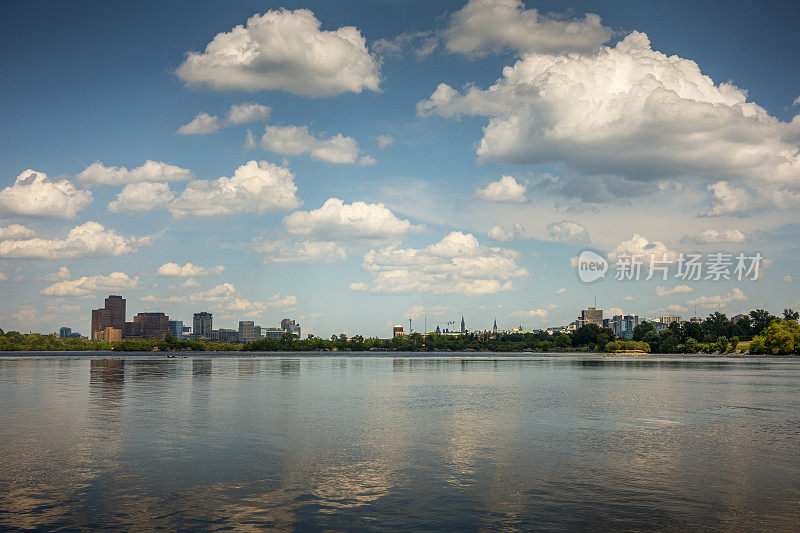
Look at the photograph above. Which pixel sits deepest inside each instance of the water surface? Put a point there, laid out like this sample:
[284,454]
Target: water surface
[451,442]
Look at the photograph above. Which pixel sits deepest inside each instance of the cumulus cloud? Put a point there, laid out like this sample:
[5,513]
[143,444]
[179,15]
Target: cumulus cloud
[484,26]
[506,190]
[254,307]
[304,252]
[87,240]
[89,285]
[456,264]
[16,231]
[625,111]
[188,270]
[340,221]
[384,141]
[296,140]
[62,274]
[150,171]
[432,311]
[711,302]
[34,195]
[285,50]
[640,246]
[219,293]
[568,231]
[138,197]
[713,236]
[500,234]
[727,200]
[677,289]
[243,113]
[256,187]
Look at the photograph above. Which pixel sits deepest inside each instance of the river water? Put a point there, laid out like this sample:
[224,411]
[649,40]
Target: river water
[453,442]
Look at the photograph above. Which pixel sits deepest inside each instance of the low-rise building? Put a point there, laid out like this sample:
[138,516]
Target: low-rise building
[109,334]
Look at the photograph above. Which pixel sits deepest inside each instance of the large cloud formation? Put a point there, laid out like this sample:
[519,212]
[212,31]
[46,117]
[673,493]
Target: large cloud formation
[256,187]
[626,111]
[285,50]
[88,285]
[456,264]
[341,221]
[484,26]
[87,240]
[34,195]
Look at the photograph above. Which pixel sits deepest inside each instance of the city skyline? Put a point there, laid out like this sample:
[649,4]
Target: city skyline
[400,187]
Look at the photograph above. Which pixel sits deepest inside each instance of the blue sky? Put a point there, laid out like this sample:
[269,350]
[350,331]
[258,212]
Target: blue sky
[376,193]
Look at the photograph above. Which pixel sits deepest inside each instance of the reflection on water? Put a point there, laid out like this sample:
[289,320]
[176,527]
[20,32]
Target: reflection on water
[458,443]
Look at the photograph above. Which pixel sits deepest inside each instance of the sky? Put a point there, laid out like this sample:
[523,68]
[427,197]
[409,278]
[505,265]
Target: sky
[352,165]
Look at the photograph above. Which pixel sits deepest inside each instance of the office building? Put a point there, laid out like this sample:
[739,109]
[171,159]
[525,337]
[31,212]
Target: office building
[176,329]
[274,334]
[149,325]
[109,334]
[591,316]
[101,319]
[290,326]
[66,333]
[202,325]
[397,331]
[224,335]
[110,316]
[248,331]
[669,319]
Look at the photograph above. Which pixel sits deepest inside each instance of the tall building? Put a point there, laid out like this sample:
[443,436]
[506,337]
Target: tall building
[248,331]
[117,306]
[494,328]
[669,319]
[463,325]
[176,329]
[101,319]
[591,316]
[148,325]
[201,325]
[290,326]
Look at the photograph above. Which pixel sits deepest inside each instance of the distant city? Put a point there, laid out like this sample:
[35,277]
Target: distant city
[109,323]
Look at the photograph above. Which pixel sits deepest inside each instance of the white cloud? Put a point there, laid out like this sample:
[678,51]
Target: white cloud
[62,274]
[709,236]
[255,307]
[305,252]
[532,313]
[384,141]
[188,270]
[677,289]
[500,234]
[150,171]
[456,264]
[433,311]
[626,111]
[16,231]
[711,302]
[243,113]
[190,282]
[216,294]
[88,285]
[506,190]
[296,140]
[484,26]
[340,221]
[256,187]
[201,124]
[145,196]
[87,240]
[675,308]
[34,195]
[420,43]
[249,142]
[727,200]
[568,231]
[285,50]
[642,247]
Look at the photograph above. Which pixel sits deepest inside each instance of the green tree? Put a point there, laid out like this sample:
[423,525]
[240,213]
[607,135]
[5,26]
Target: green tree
[760,319]
[790,314]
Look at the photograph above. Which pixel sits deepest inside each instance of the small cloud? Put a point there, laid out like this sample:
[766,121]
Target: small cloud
[505,190]
[533,313]
[678,289]
[384,141]
[501,234]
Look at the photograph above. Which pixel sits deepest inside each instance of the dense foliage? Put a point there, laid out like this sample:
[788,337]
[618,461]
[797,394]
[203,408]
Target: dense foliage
[715,334]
